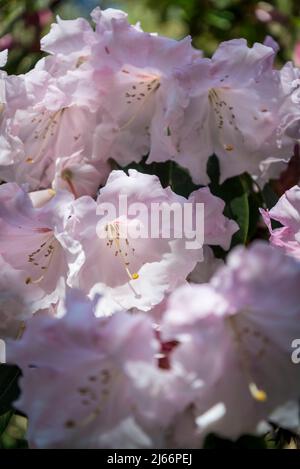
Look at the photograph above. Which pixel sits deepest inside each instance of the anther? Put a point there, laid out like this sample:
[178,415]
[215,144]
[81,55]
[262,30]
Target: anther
[257,394]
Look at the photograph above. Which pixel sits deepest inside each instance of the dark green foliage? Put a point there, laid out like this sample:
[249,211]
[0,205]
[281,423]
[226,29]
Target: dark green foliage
[9,389]
[212,441]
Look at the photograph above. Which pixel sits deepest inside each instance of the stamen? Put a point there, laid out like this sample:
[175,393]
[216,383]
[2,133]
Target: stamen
[142,91]
[223,112]
[67,176]
[80,61]
[257,394]
[21,330]
[113,236]
[46,250]
[44,132]
[107,378]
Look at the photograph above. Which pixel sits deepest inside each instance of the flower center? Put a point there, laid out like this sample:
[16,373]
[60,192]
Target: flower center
[139,93]
[106,379]
[258,394]
[121,246]
[222,112]
[46,126]
[41,258]
[67,176]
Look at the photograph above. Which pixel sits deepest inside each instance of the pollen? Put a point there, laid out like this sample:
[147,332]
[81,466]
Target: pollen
[135,276]
[228,147]
[81,60]
[258,394]
[66,174]
[29,160]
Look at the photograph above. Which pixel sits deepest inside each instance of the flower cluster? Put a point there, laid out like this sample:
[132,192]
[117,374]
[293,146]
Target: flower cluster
[127,339]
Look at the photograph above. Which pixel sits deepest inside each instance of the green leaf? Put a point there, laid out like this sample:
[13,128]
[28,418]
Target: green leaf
[9,389]
[270,197]
[234,192]
[213,170]
[169,173]
[4,421]
[239,209]
[254,216]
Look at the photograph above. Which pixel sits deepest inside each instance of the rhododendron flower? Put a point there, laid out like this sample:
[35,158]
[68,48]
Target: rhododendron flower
[17,303]
[6,140]
[87,359]
[67,37]
[287,212]
[204,270]
[79,175]
[130,326]
[3,59]
[21,91]
[73,39]
[117,396]
[137,271]
[41,141]
[32,241]
[140,75]
[35,124]
[233,111]
[244,337]
[135,71]
[290,80]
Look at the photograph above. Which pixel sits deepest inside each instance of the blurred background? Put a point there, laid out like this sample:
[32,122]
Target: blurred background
[23,22]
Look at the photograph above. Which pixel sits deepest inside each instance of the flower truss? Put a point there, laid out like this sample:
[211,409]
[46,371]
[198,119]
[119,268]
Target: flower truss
[131,165]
